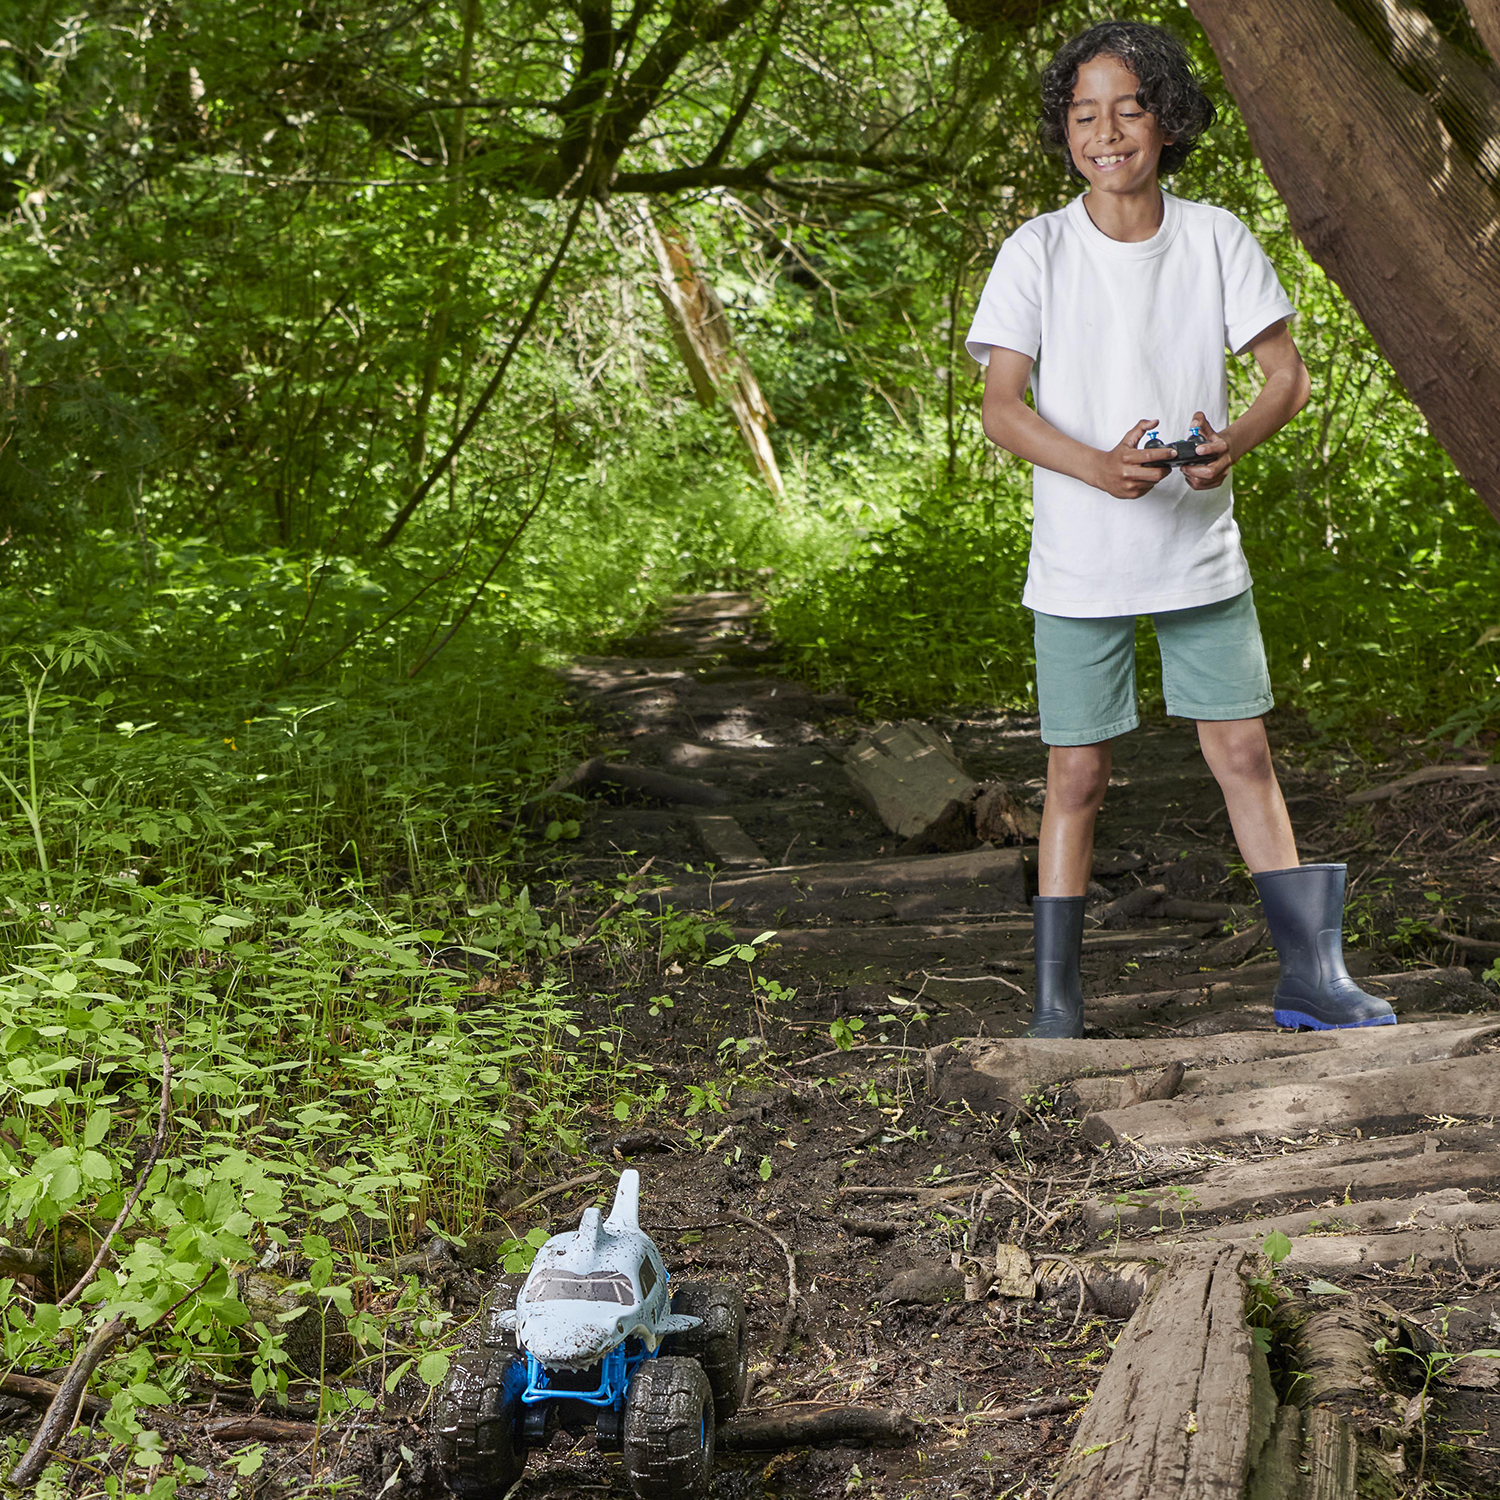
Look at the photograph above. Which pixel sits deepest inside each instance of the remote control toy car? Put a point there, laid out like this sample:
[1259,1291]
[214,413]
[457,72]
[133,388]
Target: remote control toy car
[1184,452]
[598,1340]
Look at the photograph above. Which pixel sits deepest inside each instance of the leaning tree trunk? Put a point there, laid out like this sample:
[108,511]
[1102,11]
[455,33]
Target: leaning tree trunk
[703,337]
[1383,137]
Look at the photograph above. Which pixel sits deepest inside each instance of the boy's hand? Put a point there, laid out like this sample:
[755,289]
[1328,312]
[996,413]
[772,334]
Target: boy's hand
[1120,472]
[1214,449]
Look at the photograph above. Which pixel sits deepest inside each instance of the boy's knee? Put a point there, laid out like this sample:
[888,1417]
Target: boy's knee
[1239,754]
[1077,778]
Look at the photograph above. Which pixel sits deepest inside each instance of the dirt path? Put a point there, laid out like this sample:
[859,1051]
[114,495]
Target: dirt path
[885,1182]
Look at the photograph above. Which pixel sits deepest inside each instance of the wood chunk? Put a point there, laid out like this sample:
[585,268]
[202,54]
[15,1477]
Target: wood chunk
[1380,1097]
[1143,901]
[1107,1283]
[818,1427]
[1171,1417]
[910,778]
[1020,1066]
[1418,1042]
[1464,1251]
[1000,818]
[726,843]
[1469,1158]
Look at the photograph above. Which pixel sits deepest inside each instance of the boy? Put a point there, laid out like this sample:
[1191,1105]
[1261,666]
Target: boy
[1120,304]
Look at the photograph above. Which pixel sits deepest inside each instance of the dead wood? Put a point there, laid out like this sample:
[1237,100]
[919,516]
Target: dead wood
[1424,777]
[1142,901]
[318,1341]
[1166,1085]
[660,785]
[819,1427]
[1468,1157]
[789,1313]
[158,1141]
[1237,947]
[1108,1283]
[57,1422]
[1172,1413]
[1380,1097]
[43,1392]
[1448,1209]
[1020,1066]
[866,888]
[1027,1411]
[909,777]
[1402,1045]
[1347,1255]
[911,780]
[726,843]
[871,1229]
[259,1429]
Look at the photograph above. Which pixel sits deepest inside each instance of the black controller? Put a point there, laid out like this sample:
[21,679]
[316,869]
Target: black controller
[1174,455]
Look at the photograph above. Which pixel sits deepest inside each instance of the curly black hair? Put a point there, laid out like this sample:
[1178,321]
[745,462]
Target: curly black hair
[1169,89]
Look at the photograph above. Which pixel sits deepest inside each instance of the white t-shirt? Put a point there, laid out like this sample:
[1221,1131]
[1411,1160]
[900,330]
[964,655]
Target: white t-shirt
[1120,332]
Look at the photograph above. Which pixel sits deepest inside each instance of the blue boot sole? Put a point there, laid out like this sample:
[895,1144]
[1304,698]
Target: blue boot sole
[1294,1020]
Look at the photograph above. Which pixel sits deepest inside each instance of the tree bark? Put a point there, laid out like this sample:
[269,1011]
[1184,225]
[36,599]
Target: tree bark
[1381,137]
[702,334]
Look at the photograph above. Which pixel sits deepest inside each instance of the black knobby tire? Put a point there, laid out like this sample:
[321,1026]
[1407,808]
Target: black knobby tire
[719,1341]
[478,1439]
[669,1431]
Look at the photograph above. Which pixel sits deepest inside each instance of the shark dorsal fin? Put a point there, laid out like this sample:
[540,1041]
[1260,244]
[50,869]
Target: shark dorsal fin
[590,1232]
[625,1215]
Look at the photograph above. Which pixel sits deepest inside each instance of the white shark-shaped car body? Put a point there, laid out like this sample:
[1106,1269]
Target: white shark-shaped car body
[590,1291]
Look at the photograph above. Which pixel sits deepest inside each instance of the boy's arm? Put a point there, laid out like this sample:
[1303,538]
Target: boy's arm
[1285,392]
[1010,424]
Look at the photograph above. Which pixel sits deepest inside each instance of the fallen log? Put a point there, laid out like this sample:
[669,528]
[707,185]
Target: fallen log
[1426,776]
[1335,1255]
[1448,1208]
[260,1430]
[660,785]
[1021,1066]
[989,878]
[44,1392]
[1387,1098]
[1104,1282]
[1185,1403]
[1027,1411]
[1468,1157]
[818,1427]
[1403,1045]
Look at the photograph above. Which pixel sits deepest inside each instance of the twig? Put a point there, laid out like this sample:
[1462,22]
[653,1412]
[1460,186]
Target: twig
[1049,1406]
[804,1062]
[58,1420]
[81,1285]
[556,1188]
[778,1346]
[610,910]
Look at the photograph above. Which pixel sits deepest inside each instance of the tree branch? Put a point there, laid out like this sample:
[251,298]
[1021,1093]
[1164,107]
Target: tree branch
[81,1285]
[752,88]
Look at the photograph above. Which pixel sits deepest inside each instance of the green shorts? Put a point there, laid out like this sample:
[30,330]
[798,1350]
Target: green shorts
[1213,666]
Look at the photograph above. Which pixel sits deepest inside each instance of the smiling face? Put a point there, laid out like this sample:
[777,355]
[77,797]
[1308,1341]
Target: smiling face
[1114,142]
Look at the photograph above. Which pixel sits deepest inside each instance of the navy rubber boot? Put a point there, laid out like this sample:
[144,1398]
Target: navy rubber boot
[1057,1009]
[1305,911]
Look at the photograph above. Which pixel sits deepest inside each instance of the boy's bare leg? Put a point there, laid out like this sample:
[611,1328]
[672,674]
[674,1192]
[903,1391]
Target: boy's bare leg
[1239,755]
[1077,779]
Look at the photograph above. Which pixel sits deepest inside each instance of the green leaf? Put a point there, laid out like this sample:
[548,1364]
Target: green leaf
[765,1169]
[1320,1288]
[97,1127]
[432,1368]
[1276,1247]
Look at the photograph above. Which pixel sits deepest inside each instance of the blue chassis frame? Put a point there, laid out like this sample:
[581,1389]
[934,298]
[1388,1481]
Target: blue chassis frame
[615,1370]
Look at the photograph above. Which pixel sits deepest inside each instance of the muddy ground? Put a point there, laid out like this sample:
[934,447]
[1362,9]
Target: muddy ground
[774,1144]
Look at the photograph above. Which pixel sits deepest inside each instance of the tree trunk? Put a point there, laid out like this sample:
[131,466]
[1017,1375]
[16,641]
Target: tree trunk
[1384,140]
[703,337]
